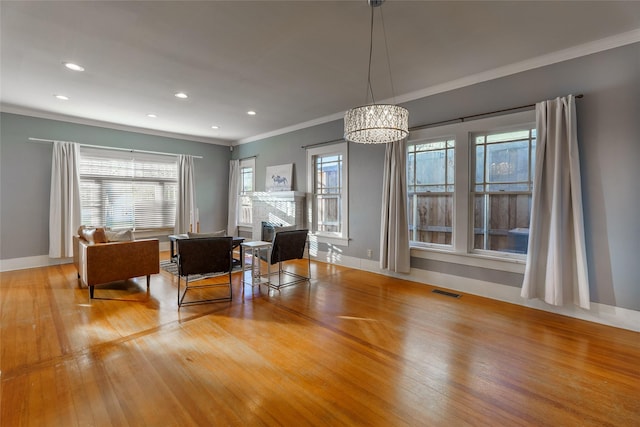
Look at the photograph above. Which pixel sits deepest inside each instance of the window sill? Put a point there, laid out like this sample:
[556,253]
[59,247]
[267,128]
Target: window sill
[510,264]
[331,240]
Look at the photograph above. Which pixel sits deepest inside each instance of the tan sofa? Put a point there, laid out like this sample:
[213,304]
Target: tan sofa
[101,263]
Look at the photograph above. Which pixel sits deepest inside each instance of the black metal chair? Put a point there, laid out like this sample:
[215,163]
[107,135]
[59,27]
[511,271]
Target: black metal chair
[203,256]
[289,245]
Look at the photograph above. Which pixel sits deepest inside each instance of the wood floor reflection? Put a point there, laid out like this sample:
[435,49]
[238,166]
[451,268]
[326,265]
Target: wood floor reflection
[350,348]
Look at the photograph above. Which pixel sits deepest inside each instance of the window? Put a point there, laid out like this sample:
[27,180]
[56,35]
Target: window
[327,183]
[247,184]
[430,179]
[503,180]
[481,208]
[121,189]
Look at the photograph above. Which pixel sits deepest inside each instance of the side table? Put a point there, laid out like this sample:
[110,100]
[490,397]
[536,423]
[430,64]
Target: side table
[254,249]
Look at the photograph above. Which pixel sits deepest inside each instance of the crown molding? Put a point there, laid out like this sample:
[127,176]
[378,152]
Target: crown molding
[574,52]
[14,109]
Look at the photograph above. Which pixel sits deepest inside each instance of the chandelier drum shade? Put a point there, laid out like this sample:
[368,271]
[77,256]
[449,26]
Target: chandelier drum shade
[376,124]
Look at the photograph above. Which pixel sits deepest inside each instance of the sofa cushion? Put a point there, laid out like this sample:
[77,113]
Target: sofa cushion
[220,233]
[119,236]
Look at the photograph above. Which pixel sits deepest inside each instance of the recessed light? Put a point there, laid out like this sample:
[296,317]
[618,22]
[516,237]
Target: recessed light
[74,67]
[251,113]
[181,95]
[215,127]
[62,97]
[151,115]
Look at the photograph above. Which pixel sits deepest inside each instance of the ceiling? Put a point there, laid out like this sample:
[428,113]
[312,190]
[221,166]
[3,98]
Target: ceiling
[295,63]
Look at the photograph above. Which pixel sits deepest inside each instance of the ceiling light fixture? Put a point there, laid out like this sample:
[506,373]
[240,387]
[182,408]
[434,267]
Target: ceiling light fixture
[62,97]
[181,95]
[376,123]
[74,67]
[215,127]
[251,113]
[152,116]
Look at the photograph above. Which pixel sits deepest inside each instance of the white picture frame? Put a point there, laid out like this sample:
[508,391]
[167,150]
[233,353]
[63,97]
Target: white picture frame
[279,178]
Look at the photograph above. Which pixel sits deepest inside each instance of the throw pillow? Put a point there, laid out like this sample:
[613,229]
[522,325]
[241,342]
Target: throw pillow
[92,234]
[99,236]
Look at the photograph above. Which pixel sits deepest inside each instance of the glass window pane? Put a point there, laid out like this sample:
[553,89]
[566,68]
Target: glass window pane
[430,167]
[480,163]
[431,218]
[508,136]
[508,162]
[450,166]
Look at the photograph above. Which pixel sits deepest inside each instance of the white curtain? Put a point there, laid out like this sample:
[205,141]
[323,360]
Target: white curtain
[186,208]
[394,232]
[234,189]
[64,199]
[556,269]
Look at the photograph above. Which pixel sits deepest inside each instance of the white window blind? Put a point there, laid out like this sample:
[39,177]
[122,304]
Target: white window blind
[121,189]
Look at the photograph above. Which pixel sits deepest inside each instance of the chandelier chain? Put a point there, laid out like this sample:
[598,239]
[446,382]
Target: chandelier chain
[386,47]
[369,85]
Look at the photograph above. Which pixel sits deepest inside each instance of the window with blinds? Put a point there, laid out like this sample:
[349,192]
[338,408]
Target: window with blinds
[121,189]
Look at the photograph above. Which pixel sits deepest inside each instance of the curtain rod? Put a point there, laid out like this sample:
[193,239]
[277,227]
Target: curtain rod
[247,158]
[459,119]
[131,150]
[475,116]
[322,143]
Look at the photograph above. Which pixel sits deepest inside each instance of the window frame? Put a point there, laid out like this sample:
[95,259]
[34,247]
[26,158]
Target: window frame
[249,163]
[340,148]
[121,156]
[487,192]
[461,251]
[413,142]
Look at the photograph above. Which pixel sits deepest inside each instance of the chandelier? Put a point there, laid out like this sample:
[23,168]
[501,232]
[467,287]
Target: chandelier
[376,123]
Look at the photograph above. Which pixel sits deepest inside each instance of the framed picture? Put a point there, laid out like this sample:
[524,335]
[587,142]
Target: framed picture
[279,178]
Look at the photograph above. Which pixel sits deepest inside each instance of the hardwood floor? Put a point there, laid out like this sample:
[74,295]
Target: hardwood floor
[352,348]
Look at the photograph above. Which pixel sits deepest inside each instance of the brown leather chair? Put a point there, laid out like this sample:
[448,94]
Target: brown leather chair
[289,245]
[202,256]
[103,263]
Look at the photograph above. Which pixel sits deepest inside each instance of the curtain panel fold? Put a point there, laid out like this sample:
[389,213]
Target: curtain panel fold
[234,191]
[556,269]
[186,206]
[394,233]
[64,199]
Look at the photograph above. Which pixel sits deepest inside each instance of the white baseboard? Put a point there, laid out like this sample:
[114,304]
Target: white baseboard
[44,261]
[599,313]
[31,262]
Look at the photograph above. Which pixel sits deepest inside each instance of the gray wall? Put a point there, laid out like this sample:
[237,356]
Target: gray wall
[609,141]
[25,176]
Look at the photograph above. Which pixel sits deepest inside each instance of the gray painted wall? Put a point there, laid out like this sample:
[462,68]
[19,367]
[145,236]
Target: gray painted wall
[609,141]
[25,176]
